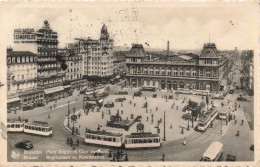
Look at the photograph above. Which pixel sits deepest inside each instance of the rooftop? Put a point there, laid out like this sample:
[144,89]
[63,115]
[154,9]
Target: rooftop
[142,135]
[39,123]
[137,50]
[103,133]
[20,53]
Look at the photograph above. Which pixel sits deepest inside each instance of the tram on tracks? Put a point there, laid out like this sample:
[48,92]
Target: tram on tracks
[103,138]
[15,125]
[142,140]
[207,118]
[38,128]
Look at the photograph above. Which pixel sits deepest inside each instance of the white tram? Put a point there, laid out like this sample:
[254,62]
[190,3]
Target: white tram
[208,117]
[38,128]
[204,122]
[224,112]
[15,125]
[141,140]
[103,138]
[213,113]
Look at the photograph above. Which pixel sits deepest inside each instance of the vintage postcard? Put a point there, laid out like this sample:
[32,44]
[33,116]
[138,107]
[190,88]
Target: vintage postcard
[129,83]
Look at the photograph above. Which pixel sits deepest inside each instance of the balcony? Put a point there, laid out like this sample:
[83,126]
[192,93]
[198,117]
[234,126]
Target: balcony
[172,77]
[161,63]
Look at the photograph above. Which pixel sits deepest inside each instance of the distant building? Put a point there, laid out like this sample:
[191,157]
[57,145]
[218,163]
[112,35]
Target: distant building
[22,78]
[97,56]
[247,81]
[190,71]
[44,43]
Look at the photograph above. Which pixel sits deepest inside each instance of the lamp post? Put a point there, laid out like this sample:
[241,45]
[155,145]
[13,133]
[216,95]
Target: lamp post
[117,155]
[73,118]
[68,114]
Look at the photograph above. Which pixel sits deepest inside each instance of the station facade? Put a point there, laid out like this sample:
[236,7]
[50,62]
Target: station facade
[189,71]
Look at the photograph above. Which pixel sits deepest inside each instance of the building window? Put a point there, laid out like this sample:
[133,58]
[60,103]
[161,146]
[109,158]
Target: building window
[175,72]
[188,72]
[194,73]
[181,72]
[22,76]
[201,72]
[169,73]
[208,73]
[214,73]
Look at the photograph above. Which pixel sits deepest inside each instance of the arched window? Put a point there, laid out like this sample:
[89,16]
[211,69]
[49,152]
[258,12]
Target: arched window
[181,72]
[194,72]
[175,72]
[188,72]
[207,73]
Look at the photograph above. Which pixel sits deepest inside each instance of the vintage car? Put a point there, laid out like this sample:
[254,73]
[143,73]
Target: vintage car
[122,93]
[25,144]
[241,99]
[120,99]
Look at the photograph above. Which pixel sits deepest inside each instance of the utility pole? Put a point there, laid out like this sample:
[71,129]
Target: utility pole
[68,114]
[164,139]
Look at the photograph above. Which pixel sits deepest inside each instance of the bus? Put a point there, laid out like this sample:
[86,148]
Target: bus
[15,125]
[38,128]
[103,138]
[224,112]
[149,88]
[142,140]
[213,152]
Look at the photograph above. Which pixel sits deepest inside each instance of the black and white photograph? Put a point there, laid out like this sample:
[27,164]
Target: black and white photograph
[129,82]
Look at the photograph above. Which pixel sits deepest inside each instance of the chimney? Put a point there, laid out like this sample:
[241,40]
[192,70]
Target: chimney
[168,47]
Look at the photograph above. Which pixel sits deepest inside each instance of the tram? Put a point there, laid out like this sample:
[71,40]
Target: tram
[224,112]
[103,138]
[15,125]
[38,128]
[208,117]
[149,88]
[142,140]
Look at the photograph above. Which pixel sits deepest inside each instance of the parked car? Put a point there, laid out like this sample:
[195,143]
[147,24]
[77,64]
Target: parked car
[39,104]
[154,95]
[120,99]
[25,144]
[28,107]
[122,93]
[230,157]
[109,105]
[241,99]
[139,93]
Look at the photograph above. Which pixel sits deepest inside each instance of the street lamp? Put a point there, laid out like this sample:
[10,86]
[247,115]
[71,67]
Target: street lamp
[118,155]
[73,118]
[68,114]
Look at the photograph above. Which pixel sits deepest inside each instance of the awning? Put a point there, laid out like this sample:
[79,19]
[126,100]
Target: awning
[13,99]
[52,90]
[67,86]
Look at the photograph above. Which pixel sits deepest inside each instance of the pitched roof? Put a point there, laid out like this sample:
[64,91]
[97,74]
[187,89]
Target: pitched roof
[209,50]
[20,53]
[137,50]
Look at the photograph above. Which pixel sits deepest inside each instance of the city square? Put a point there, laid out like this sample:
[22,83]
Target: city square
[112,94]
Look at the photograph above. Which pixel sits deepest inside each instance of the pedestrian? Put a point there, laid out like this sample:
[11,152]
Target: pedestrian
[234,116]
[68,140]
[49,116]
[77,142]
[71,142]
[185,141]
[147,119]
[235,121]
[122,112]
[242,122]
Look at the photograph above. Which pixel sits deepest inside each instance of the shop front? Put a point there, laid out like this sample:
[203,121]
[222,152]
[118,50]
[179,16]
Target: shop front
[67,90]
[13,103]
[55,93]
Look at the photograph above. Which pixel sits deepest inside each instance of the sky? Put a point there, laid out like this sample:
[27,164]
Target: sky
[184,27]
